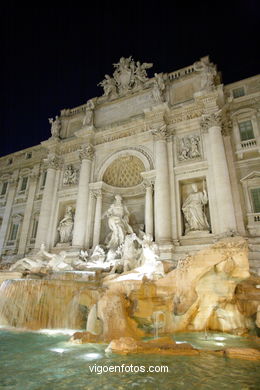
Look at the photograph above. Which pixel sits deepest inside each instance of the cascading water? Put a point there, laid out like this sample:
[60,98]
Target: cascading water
[39,303]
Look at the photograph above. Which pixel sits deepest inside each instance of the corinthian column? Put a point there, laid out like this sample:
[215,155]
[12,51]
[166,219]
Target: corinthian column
[148,207]
[47,200]
[8,207]
[97,223]
[80,221]
[162,188]
[220,173]
[28,210]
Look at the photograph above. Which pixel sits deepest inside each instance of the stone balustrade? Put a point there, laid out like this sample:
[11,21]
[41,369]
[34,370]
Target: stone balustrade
[248,144]
[181,72]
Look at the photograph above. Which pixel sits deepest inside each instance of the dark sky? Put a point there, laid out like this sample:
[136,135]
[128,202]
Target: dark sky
[53,57]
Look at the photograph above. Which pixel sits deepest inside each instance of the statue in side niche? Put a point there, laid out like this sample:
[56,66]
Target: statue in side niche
[118,222]
[193,210]
[55,127]
[66,226]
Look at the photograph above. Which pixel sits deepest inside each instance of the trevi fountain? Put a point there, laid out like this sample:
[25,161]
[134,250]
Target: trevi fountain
[124,307]
[129,239]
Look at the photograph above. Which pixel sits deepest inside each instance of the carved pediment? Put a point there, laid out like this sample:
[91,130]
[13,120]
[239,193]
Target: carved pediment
[251,176]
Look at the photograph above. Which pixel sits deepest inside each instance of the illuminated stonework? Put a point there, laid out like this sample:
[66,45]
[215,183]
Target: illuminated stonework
[181,149]
[124,172]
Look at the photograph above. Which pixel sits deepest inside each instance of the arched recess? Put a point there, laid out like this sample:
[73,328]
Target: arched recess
[139,153]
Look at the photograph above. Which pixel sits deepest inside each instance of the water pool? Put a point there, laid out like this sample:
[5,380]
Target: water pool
[39,361]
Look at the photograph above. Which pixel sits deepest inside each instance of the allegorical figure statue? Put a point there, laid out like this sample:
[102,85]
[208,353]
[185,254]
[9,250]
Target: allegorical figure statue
[55,127]
[89,113]
[66,226]
[118,222]
[208,72]
[195,218]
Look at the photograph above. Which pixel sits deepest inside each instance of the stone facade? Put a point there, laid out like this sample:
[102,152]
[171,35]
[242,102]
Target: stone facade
[181,149]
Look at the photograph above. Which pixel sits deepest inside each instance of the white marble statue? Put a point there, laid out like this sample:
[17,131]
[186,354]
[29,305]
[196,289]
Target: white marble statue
[89,113]
[208,73]
[128,255]
[193,210]
[109,86]
[149,261]
[98,255]
[66,226]
[118,222]
[70,176]
[55,127]
[128,76]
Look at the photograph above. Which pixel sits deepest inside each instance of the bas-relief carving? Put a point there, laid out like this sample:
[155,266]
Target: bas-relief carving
[70,175]
[65,227]
[189,147]
[193,210]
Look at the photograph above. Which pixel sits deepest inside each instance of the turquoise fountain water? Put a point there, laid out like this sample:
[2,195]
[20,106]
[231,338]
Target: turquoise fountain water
[44,361]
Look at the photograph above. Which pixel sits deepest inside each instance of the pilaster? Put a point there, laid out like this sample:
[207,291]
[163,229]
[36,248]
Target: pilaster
[79,233]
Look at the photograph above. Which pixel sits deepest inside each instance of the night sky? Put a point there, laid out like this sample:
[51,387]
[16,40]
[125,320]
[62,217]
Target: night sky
[54,56]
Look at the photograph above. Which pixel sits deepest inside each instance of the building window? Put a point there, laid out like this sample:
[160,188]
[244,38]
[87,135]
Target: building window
[44,175]
[238,92]
[24,183]
[246,130]
[34,228]
[13,231]
[28,155]
[4,188]
[255,193]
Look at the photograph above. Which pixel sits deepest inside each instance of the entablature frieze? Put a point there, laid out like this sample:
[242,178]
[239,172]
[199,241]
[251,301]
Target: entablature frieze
[191,168]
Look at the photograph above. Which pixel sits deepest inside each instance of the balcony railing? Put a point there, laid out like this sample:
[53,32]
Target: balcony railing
[248,144]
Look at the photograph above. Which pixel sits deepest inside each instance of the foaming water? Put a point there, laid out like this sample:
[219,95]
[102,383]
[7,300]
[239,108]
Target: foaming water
[51,304]
[36,361]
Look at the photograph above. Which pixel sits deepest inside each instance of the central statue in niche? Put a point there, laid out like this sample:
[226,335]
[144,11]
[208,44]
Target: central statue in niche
[118,222]
[193,210]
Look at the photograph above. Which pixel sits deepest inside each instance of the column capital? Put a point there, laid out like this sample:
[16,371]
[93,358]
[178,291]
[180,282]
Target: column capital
[87,152]
[97,193]
[148,183]
[53,161]
[213,119]
[161,133]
